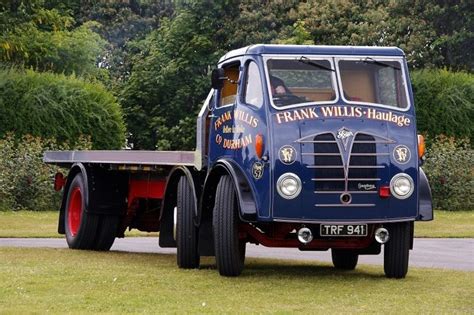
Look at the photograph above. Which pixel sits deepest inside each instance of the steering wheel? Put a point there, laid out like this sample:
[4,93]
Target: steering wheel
[287,99]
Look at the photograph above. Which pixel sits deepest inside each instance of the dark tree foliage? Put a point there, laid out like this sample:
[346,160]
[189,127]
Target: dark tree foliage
[170,77]
[432,33]
[43,39]
[454,26]
[121,22]
[257,22]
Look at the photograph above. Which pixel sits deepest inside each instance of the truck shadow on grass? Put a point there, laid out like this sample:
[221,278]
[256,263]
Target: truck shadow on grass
[257,267]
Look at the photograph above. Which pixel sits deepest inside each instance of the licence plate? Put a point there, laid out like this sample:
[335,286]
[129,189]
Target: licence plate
[343,229]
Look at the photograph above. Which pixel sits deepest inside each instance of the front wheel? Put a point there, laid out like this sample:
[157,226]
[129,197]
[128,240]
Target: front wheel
[81,227]
[229,250]
[397,250]
[344,259]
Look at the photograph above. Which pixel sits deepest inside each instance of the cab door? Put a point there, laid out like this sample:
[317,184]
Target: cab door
[222,116]
[251,134]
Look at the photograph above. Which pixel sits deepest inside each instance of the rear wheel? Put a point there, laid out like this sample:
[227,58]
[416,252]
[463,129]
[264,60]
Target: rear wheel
[397,250]
[229,250]
[186,230]
[344,259]
[106,232]
[81,227]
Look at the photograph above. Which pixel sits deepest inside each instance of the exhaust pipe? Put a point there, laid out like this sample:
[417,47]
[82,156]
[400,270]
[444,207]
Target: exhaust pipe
[305,235]
[381,235]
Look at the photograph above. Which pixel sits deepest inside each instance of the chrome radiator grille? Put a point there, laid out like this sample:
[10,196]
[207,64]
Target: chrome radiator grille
[345,168]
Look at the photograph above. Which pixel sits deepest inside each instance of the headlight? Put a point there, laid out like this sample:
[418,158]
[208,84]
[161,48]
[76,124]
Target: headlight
[402,186]
[289,185]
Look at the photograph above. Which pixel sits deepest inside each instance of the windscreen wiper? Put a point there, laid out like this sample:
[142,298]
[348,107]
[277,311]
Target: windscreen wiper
[380,63]
[307,61]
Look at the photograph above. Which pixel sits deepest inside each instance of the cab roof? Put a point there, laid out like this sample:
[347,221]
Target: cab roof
[261,49]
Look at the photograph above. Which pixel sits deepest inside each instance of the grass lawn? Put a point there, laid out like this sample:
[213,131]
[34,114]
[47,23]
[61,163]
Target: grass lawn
[38,224]
[447,224]
[70,281]
[44,224]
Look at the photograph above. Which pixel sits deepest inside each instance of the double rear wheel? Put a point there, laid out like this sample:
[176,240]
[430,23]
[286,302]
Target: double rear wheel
[85,230]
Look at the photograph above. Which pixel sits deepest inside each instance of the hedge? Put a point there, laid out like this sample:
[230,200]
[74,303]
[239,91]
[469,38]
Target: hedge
[450,169]
[444,103]
[26,183]
[61,107]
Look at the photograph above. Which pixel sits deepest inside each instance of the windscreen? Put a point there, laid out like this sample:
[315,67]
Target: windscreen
[374,81]
[301,80]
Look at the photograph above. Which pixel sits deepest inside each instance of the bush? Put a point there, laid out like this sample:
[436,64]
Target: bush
[57,106]
[444,103]
[26,183]
[450,170]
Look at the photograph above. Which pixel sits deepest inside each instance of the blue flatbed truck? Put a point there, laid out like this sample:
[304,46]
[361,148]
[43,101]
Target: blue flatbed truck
[309,147]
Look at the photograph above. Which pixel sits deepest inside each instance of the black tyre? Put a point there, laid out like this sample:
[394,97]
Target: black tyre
[186,230]
[397,250]
[106,232]
[229,250]
[81,227]
[344,259]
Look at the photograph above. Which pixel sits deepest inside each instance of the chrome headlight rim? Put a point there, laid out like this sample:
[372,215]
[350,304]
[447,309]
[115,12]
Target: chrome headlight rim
[397,177]
[289,176]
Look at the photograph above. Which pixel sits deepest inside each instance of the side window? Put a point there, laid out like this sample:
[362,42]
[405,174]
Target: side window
[229,91]
[253,86]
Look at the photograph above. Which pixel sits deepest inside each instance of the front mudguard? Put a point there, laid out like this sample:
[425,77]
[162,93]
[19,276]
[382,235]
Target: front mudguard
[245,196]
[425,203]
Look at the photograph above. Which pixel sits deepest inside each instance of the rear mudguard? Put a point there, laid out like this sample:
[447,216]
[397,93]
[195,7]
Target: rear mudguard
[76,168]
[106,191]
[425,205]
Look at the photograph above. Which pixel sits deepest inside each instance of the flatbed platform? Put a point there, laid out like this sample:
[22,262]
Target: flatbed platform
[120,157]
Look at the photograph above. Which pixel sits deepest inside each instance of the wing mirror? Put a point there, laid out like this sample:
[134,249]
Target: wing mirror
[217,78]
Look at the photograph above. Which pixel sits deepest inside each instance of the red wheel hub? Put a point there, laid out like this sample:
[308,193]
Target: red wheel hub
[75,210]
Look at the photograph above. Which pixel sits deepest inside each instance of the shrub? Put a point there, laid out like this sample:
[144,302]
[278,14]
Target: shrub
[26,183]
[57,106]
[444,103]
[450,170]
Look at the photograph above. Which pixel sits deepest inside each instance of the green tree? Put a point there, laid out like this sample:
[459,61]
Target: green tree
[453,22]
[45,40]
[256,22]
[120,22]
[170,77]
[432,33]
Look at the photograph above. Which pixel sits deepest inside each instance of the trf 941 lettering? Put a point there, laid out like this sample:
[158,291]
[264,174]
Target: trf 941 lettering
[311,147]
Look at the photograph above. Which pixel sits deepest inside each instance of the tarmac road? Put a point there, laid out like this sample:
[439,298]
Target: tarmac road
[457,254]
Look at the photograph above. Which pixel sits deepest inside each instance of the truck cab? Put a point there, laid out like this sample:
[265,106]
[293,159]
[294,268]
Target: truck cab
[321,144]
